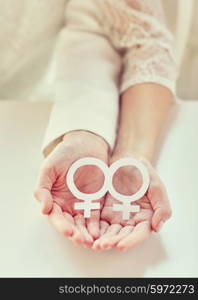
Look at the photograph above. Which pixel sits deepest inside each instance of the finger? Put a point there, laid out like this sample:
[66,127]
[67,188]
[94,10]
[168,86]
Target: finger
[161,214]
[130,222]
[161,206]
[43,187]
[110,242]
[143,215]
[93,224]
[160,203]
[139,234]
[63,222]
[82,236]
[44,196]
[111,231]
[103,227]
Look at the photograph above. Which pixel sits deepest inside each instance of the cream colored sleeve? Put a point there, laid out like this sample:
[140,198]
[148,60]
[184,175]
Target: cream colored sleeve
[86,69]
[137,28]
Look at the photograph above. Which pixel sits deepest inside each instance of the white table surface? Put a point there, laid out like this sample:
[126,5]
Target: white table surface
[30,247]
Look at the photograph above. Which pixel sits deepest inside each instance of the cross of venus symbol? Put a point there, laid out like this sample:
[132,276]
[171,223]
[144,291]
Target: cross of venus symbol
[125,206]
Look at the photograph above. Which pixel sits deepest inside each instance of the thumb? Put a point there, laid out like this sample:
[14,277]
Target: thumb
[158,197]
[44,196]
[161,214]
[43,188]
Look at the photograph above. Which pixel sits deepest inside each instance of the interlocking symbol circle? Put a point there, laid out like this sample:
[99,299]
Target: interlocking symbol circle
[125,206]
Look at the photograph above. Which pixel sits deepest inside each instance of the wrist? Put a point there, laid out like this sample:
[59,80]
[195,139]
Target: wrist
[142,149]
[138,156]
[86,135]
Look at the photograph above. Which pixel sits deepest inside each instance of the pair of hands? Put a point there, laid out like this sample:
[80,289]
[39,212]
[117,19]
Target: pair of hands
[105,229]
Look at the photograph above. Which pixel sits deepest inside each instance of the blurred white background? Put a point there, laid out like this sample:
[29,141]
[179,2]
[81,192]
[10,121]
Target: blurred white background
[182,20]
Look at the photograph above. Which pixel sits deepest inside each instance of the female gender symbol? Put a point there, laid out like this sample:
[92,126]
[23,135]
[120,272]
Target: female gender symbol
[126,207]
[87,205]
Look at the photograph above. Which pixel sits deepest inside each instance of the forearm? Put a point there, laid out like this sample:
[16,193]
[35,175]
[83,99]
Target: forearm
[144,109]
[86,92]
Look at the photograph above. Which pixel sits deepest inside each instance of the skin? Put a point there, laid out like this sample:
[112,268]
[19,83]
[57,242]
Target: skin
[51,189]
[154,211]
[143,111]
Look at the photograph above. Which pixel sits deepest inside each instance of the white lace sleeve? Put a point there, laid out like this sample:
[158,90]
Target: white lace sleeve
[137,28]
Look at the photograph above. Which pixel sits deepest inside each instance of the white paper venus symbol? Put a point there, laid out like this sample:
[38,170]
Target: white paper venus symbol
[87,205]
[125,207]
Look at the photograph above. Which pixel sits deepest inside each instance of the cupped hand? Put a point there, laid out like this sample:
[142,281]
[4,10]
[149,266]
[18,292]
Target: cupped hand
[154,210]
[55,197]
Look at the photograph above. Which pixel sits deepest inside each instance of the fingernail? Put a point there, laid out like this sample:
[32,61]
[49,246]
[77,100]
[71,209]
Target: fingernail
[160,226]
[124,250]
[108,248]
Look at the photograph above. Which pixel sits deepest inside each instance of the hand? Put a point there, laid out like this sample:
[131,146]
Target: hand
[154,210]
[55,197]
